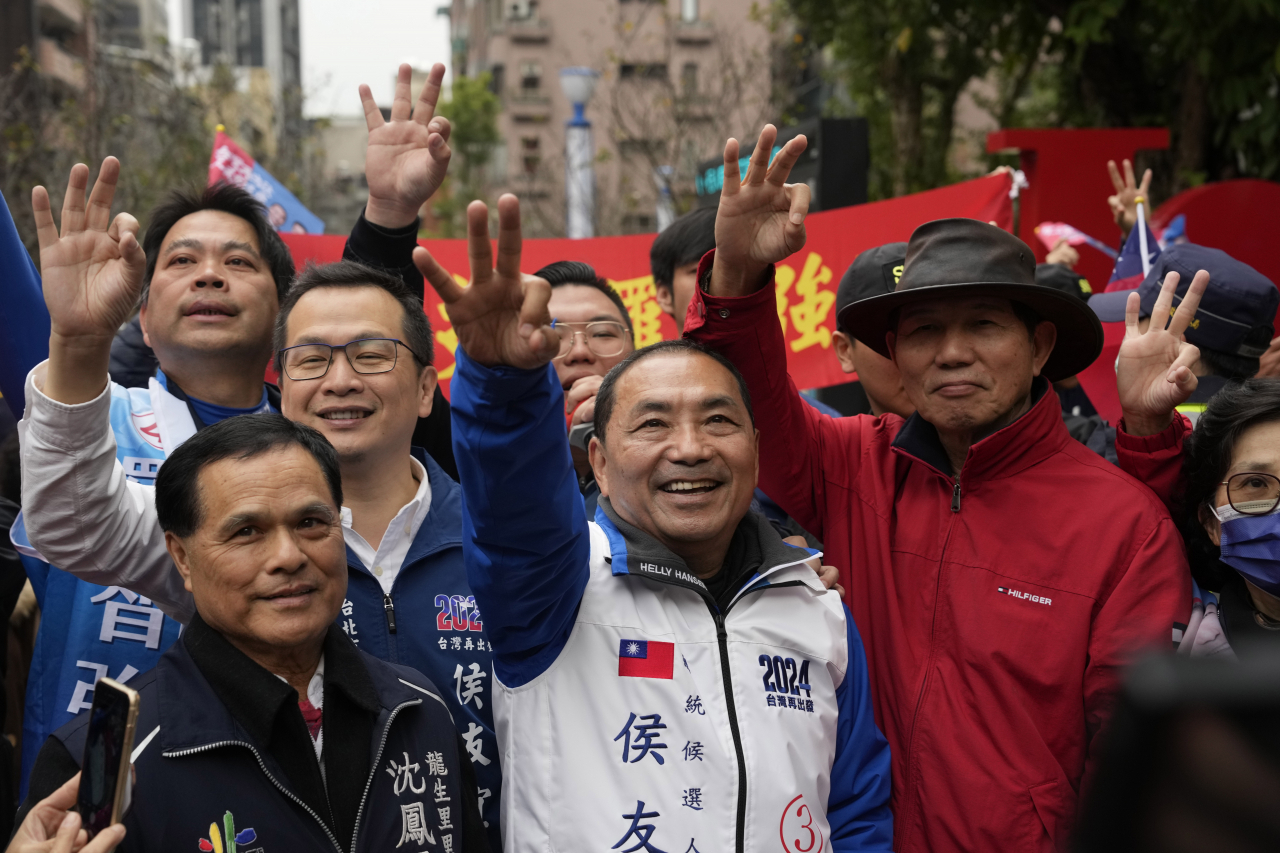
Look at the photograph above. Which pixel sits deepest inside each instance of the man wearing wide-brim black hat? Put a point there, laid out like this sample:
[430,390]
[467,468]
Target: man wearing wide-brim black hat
[1000,573]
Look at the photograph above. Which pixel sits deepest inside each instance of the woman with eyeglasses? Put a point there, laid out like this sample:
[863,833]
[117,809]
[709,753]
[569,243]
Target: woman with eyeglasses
[1231,518]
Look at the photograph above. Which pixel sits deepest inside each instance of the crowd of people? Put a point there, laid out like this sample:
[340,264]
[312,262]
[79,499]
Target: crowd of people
[609,598]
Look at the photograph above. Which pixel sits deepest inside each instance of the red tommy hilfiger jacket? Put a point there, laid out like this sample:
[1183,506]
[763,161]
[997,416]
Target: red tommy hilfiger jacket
[998,610]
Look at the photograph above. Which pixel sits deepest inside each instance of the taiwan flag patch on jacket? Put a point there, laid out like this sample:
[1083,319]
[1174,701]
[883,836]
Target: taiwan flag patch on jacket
[646,659]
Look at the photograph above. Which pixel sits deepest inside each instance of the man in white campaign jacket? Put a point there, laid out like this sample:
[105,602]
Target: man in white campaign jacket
[672,677]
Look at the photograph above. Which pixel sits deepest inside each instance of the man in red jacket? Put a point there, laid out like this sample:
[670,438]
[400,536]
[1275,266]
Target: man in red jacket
[1001,573]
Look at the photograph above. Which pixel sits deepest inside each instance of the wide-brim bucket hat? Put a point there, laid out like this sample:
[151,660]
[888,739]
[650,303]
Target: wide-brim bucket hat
[951,258]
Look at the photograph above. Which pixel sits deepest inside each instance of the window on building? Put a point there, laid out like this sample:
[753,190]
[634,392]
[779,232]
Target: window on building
[689,79]
[530,154]
[688,10]
[249,44]
[521,10]
[497,79]
[640,71]
[530,77]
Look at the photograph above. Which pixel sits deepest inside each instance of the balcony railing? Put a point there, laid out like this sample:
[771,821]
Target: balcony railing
[58,64]
[61,14]
[528,30]
[694,32]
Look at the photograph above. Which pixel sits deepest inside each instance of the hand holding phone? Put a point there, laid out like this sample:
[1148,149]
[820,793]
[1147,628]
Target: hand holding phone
[104,775]
[53,826]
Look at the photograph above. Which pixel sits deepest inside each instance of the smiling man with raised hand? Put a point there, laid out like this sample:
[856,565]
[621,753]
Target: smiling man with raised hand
[212,275]
[1001,573]
[677,670]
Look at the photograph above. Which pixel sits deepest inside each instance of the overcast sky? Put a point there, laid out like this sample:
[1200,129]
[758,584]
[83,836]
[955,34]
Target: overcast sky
[346,43]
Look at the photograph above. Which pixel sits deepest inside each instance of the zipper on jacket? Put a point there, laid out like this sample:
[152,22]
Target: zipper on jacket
[911,805]
[390,607]
[327,831]
[373,768]
[722,639]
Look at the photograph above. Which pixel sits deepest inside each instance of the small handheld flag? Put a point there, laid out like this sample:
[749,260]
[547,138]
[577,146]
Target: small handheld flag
[1051,232]
[231,165]
[1136,258]
[1141,204]
[1174,232]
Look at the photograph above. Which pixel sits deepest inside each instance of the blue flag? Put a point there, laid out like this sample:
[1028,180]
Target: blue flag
[24,321]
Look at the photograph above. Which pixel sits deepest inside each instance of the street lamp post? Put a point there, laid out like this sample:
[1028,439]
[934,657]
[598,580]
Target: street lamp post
[578,84]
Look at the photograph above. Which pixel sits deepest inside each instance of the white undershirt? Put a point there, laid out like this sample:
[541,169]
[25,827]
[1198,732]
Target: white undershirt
[385,560]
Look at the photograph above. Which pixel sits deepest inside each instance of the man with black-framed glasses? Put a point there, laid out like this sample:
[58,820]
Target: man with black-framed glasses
[595,334]
[354,348]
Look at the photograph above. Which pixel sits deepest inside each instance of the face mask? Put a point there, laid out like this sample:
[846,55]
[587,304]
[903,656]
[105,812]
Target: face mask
[1251,546]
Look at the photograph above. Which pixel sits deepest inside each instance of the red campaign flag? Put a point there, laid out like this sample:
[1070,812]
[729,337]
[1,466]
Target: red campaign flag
[646,659]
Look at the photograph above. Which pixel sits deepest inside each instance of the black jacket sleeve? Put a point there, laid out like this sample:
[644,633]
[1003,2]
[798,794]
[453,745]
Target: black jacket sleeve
[474,838]
[385,249]
[434,434]
[54,766]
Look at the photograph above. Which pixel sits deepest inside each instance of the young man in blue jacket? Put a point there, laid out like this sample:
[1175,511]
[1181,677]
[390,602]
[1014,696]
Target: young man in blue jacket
[674,667]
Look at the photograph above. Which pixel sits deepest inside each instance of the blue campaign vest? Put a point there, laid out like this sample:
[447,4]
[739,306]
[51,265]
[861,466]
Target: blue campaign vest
[89,631]
[439,631]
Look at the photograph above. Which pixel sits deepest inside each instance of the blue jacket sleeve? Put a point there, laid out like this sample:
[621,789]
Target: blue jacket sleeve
[24,321]
[858,808]
[525,539]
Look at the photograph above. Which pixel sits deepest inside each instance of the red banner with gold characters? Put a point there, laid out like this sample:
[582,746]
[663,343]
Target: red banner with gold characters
[806,282]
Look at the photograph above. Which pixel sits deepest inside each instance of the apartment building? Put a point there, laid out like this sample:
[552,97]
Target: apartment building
[259,43]
[59,35]
[676,79]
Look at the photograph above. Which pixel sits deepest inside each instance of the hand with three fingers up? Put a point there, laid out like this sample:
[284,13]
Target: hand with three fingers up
[760,220]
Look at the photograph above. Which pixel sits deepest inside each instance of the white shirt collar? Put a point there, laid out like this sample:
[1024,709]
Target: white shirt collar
[411,514]
[385,561]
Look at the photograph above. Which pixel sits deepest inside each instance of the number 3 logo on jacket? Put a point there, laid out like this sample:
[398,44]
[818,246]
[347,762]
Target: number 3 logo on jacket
[796,829]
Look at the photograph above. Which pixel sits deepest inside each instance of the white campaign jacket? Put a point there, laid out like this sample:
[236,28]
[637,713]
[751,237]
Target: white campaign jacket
[632,712]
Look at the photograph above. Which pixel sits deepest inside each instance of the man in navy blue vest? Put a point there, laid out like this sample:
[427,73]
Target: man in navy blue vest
[265,726]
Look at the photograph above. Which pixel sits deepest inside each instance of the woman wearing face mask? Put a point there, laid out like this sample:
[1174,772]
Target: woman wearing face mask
[1231,519]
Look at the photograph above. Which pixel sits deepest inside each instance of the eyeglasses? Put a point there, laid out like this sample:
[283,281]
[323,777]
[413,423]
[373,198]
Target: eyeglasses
[1252,493]
[368,355]
[603,337]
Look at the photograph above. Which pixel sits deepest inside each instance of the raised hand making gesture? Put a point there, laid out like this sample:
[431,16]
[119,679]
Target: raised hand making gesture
[1153,371]
[92,275]
[407,157]
[761,217]
[501,318]
[1124,204]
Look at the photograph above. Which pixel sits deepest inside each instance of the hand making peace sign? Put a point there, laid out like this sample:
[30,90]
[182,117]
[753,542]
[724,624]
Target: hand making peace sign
[1153,371]
[407,157]
[761,217]
[502,317]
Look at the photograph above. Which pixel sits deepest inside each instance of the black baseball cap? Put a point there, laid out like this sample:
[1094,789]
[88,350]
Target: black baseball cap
[1062,277]
[874,272]
[1236,311]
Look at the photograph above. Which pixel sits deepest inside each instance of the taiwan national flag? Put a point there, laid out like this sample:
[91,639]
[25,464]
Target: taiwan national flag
[1128,274]
[231,165]
[646,659]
